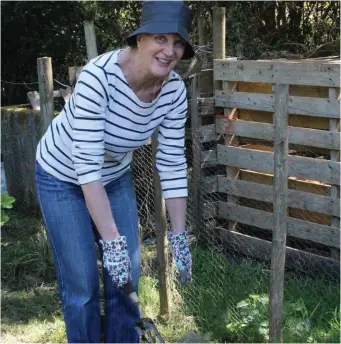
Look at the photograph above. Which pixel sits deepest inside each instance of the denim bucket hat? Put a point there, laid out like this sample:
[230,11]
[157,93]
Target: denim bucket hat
[165,17]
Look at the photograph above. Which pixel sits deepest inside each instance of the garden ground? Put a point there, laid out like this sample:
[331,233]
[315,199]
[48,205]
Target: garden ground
[227,301]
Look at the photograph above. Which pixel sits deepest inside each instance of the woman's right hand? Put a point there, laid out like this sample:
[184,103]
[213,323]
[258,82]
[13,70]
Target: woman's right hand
[116,260]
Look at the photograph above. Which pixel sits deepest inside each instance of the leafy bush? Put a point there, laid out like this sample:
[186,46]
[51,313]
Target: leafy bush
[6,203]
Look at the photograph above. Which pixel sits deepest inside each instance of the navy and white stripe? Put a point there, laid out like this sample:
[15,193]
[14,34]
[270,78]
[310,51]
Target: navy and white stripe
[94,136]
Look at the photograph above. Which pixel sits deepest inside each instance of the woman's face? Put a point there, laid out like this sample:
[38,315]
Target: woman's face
[160,52]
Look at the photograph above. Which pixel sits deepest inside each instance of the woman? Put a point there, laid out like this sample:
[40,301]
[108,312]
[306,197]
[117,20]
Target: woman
[83,175]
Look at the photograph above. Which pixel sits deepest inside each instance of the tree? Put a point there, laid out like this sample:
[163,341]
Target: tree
[32,29]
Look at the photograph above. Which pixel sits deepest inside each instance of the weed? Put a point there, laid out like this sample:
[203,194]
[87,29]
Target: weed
[6,203]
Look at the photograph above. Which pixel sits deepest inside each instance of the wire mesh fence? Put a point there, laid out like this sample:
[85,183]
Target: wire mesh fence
[230,224]
[229,219]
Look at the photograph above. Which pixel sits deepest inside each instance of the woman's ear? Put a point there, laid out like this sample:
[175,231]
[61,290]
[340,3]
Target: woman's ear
[138,39]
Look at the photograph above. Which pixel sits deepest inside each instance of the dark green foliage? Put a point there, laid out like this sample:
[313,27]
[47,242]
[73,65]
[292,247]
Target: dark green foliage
[255,28]
[32,29]
[36,29]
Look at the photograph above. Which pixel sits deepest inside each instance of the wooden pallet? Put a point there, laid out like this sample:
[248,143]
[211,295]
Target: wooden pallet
[244,132]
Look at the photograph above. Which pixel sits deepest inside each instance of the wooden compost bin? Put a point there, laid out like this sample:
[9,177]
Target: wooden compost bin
[20,133]
[244,133]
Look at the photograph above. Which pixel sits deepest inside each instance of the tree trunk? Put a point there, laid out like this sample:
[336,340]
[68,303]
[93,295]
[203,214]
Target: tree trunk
[281,18]
[295,16]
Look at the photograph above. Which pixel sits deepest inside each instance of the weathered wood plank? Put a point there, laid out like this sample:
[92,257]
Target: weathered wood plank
[245,158]
[301,167]
[294,183]
[314,169]
[308,106]
[298,260]
[321,234]
[262,192]
[294,120]
[242,128]
[286,72]
[314,138]
[264,131]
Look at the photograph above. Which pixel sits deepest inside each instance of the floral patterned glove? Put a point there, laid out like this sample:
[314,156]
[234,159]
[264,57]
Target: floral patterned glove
[116,260]
[182,255]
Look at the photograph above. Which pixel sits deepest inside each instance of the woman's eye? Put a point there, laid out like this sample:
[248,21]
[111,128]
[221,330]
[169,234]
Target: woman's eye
[160,38]
[180,44]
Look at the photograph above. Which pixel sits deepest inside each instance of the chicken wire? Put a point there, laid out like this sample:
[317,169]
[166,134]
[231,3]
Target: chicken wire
[227,269]
[228,299]
[230,273]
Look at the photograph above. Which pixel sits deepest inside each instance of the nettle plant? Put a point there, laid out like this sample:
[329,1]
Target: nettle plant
[254,320]
[6,203]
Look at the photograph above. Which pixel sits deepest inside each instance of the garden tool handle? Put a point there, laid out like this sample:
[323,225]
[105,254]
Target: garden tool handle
[129,290]
[145,325]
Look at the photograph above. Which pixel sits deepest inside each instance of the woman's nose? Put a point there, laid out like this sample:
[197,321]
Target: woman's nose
[169,50]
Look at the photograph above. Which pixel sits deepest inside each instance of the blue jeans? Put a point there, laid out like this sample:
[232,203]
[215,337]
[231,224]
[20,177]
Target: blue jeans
[72,236]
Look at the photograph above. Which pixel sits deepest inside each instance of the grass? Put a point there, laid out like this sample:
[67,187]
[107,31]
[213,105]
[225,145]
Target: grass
[227,301]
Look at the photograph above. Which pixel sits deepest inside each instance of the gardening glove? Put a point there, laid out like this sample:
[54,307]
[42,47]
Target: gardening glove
[182,255]
[116,260]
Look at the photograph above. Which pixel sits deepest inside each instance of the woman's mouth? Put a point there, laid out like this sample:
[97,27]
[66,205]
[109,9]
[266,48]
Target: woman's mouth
[162,62]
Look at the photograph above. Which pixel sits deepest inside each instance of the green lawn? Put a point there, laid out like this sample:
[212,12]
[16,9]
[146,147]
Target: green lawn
[227,301]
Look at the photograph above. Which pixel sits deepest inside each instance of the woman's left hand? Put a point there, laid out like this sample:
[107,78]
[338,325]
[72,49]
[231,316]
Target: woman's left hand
[182,255]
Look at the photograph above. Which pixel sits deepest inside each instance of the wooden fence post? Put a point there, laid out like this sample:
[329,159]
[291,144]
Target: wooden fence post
[229,140]
[161,234]
[202,31]
[205,78]
[196,151]
[280,218]
[334,156]
[219,36]
[90,39]
[45,80]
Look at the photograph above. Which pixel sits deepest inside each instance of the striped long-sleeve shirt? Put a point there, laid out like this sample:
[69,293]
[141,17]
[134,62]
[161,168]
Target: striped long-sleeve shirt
[103,122]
